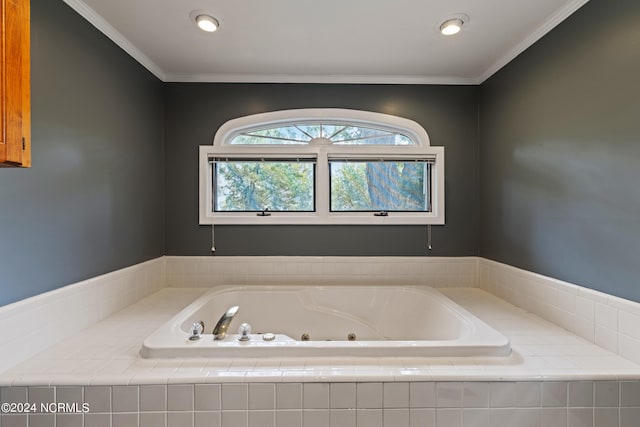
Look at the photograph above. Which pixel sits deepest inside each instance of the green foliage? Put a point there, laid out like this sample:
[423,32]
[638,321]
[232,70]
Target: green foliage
[373,186]
[254,186]
[350,188]
[289,186]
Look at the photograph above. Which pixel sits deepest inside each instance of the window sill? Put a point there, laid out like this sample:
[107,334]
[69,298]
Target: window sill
[346,219]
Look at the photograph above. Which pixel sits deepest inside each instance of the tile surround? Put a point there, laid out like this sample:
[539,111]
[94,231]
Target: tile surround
[206,272]
[247,394]
[52,316]
[540,349]
[343,411]
[605,320]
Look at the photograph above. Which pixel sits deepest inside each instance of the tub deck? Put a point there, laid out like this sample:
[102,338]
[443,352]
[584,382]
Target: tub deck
[107,353]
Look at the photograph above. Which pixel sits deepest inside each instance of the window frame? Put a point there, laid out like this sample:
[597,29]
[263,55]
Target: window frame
[322,153]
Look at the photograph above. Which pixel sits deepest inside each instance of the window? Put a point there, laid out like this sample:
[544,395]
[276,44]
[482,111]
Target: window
[321,166]
[250,185]
[379,185]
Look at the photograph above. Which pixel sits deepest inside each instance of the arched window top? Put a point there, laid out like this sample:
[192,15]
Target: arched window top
[327,126]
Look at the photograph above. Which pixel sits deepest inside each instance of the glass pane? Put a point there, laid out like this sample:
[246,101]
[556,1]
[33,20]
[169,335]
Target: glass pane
[303,133]
[312,130]
[257,140]
[330,131]
[355,133]
[379,186]
[279,135]
[367,136]
[403,140]
[254,185]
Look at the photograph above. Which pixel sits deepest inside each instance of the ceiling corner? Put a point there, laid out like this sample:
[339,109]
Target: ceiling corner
[537,34]
[108,30]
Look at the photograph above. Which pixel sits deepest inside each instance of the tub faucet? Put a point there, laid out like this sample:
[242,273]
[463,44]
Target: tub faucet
[220,330]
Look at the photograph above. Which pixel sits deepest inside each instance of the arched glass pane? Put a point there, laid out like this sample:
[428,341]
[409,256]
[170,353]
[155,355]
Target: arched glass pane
[305,132]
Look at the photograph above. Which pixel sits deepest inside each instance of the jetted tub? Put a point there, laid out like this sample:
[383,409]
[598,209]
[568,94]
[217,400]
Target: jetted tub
[383,321]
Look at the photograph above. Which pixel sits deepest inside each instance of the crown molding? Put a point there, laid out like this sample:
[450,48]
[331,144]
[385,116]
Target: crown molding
[318,78]
[103,26]
[537,34]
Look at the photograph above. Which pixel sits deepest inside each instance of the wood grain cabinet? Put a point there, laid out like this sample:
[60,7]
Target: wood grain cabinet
[15,102]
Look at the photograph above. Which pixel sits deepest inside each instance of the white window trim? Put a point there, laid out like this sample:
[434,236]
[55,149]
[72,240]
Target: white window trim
[322,153]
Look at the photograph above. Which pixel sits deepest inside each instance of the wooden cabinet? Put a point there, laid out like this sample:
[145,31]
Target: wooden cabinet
[15,96]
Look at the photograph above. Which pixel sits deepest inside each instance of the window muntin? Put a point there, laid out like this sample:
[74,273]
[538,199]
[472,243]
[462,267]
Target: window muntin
[342,146]
[254,185]
[379,185]
[309,132]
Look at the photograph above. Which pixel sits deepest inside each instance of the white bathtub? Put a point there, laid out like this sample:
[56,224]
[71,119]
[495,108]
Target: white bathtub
[386,320]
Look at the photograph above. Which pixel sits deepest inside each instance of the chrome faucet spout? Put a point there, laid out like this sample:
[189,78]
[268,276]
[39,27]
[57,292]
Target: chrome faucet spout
[220,330]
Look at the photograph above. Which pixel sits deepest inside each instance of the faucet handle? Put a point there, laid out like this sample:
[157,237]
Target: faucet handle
[196,330]
[245,332]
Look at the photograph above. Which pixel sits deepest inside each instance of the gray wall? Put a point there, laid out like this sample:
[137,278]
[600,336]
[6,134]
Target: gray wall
[560,152]
[93,200]
[193,113]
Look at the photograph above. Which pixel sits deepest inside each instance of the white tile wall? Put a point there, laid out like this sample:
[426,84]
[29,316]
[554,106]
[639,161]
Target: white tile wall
[31,325]
[617,404]
[207,272]
[606,320]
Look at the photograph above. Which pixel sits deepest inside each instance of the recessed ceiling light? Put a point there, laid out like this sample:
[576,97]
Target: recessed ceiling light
[207,23]
[453,25]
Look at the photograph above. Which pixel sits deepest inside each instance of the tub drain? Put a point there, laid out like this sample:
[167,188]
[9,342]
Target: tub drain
[304,337]
[351,337]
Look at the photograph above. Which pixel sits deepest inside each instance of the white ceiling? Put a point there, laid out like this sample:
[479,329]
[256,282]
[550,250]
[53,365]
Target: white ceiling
[341,41]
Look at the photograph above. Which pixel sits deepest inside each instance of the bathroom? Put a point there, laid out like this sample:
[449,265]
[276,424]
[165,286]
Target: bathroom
[542,213]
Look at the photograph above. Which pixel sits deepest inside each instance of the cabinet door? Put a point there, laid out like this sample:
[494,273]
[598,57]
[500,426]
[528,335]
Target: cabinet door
[16,83]
[3,136]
